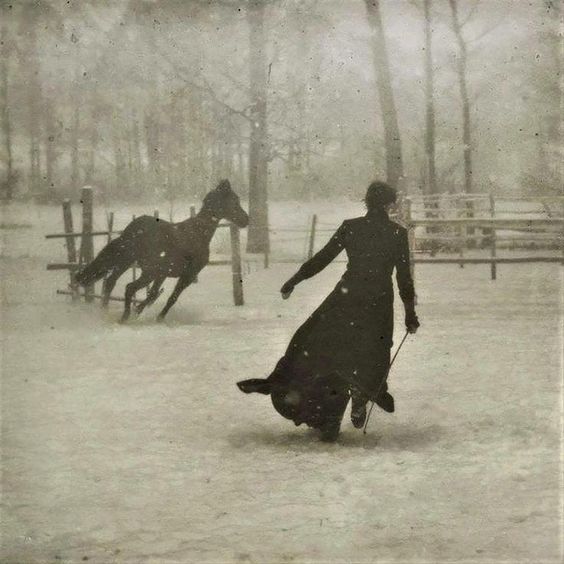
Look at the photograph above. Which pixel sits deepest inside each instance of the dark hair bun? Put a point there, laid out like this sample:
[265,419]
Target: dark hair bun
[379,195]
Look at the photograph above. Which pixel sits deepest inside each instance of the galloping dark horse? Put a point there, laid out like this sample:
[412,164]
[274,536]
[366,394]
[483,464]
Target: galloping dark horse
[164,250]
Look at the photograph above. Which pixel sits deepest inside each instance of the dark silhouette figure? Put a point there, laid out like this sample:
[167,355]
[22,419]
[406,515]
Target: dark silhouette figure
[164,250]
[343,349]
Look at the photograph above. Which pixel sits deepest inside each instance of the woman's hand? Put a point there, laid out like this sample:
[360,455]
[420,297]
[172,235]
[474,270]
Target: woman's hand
[411,322]
[287,290]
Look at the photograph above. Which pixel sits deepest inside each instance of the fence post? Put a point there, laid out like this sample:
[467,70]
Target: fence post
[148,288]
[410,236]
[311,247]
[134,268]
[110,222]
[87,242]
[463,239]
[236,270]
[470,231]
[431,208]
[71,246]
[110,218]
[192,215]
[493,243]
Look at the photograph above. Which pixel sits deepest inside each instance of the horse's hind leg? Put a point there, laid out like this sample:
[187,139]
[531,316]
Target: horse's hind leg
[110,282]
[181,285]
[152,296]
[130,289]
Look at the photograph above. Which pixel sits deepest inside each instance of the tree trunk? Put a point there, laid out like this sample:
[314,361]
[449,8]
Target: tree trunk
[75,162]
[34,159]
[461,71]
[137,159]
[550,89]
[33,108]
[75,135]
[34,149]
[431,174]
[394,163]
[301,146]
[153,140]
[121,189]
[8,184]
[94,138]
[197,142]
[129,145]
[184,148]
[92,150]
[240,162]
[258,237]
[49,141]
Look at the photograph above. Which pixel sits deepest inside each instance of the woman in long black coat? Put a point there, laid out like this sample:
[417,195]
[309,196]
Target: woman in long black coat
[343,349]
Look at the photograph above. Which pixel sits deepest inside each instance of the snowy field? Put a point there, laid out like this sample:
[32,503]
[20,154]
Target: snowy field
[132,444]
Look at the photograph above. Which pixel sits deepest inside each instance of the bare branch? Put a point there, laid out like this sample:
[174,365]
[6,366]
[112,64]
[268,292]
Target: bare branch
[470,13]
[485,32]
[416,4]
[206,88]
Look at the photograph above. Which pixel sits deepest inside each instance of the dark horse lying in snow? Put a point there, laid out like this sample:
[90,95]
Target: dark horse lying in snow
[164,250]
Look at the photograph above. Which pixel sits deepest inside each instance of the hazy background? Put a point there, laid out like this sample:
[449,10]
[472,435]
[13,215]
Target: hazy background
[148,99]
[131,443]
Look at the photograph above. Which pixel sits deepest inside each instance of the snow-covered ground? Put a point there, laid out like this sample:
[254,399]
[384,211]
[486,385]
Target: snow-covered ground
[132,443]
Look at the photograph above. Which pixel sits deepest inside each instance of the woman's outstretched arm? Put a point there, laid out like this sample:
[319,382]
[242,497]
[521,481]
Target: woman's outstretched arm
[318,261]
[405,283]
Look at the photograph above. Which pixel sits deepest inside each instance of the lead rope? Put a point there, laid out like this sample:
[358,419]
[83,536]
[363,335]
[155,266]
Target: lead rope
[384,380]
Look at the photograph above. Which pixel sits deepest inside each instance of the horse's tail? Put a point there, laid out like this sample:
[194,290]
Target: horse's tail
[115,254]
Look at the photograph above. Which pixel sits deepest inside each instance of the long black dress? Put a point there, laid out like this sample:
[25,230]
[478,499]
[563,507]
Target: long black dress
[344,346]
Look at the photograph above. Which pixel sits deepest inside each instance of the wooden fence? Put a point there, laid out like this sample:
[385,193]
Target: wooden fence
[457,225]
[467,221]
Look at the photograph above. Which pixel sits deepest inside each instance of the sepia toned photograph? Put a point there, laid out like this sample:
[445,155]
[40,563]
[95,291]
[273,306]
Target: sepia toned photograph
[281,282]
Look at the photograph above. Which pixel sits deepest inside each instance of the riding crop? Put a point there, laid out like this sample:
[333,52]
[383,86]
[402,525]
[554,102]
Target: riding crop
[384,380]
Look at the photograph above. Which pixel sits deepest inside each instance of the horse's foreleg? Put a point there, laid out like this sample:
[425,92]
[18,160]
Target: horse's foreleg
[130,289]
[181,285]
[109,284]
[152,296]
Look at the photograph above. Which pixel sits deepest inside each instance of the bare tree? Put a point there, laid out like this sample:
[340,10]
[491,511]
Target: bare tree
[94,138]
[34,101]
[461,68]
[75,128]
[300,148]
[430,168]
[75,143]
[49,143]
[394,162]
[153,138]
[8,182]
[36,19]
[546,91]
[258,237]
[121,186]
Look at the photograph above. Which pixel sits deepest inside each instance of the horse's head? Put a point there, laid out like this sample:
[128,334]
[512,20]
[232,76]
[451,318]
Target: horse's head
[223,203]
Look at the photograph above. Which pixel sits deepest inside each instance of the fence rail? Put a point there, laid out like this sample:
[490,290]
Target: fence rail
[491,223]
